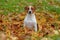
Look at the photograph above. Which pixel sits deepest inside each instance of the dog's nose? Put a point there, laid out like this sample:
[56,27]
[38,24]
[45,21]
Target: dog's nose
[29,12]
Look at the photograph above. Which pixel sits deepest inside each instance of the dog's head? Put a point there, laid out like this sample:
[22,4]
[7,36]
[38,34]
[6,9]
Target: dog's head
[30,9]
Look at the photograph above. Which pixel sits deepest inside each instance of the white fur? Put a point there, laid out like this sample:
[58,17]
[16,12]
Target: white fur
[30,21]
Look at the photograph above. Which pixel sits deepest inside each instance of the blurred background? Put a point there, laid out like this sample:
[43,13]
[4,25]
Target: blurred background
[12,14]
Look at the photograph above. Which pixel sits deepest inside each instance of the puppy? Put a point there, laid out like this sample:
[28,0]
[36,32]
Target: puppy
[30,19]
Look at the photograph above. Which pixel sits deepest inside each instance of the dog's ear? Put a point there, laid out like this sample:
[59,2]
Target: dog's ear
[33,8]
[26,8]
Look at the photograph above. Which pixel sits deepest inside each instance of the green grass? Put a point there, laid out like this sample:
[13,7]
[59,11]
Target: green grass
[18,5]
[56,37]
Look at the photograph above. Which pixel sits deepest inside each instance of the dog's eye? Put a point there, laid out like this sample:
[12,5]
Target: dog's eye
[27,8]
[32,8]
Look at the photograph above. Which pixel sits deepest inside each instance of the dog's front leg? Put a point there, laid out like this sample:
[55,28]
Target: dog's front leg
[35,27]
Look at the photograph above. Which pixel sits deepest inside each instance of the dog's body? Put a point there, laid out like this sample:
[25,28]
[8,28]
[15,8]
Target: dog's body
[30,20]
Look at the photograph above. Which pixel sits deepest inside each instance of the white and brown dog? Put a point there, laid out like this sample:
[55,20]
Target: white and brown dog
[30,19]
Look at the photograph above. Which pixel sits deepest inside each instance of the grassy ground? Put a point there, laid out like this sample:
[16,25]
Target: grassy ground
[47,13]
[18,5]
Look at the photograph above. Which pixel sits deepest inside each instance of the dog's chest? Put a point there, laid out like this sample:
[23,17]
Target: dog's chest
[30,20]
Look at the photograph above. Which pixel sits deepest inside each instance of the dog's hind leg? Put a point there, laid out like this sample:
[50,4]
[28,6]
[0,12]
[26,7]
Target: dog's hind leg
[35,27]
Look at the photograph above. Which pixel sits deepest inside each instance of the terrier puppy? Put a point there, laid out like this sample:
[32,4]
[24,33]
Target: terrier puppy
[30,19]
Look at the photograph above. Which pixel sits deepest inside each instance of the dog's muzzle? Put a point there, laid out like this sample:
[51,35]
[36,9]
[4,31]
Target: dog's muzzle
[30,12]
